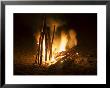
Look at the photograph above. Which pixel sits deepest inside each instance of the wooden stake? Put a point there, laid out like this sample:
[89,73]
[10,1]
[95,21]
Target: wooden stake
[50,56]
[46,48]
[41,48]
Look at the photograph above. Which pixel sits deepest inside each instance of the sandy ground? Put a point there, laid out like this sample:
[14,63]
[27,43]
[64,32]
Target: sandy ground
[86,64]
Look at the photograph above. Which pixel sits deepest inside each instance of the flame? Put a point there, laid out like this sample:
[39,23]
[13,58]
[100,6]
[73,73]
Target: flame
[72,40]
[63,42]
[51,22]
[43,50]
[60,44]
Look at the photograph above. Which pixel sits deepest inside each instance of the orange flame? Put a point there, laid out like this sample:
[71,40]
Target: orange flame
[59,44]
[63,42]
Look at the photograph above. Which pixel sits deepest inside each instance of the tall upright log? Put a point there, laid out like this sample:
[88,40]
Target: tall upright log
[53,34]
[45,34]
[41,47]
[50,56]
[46,47]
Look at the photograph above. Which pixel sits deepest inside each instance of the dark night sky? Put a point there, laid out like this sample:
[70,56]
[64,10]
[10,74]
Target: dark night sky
[25,25]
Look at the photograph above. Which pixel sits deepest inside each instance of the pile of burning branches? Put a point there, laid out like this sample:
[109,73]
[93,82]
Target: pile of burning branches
[46,56]
[73,55]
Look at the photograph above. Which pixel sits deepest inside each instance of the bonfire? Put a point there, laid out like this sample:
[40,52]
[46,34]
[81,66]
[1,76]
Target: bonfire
[52,48]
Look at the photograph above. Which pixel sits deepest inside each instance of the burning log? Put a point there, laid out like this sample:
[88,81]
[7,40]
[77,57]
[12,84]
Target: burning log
[43,35]
[53,34]
[41,47]
[38,52]
[50,56]
[46,47]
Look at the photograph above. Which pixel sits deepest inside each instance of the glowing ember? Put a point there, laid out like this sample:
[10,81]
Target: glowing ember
[61,61]
[77,53]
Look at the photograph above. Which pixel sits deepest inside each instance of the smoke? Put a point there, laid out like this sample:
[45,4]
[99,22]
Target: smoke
[37,36]
[72,39]
[54,21]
